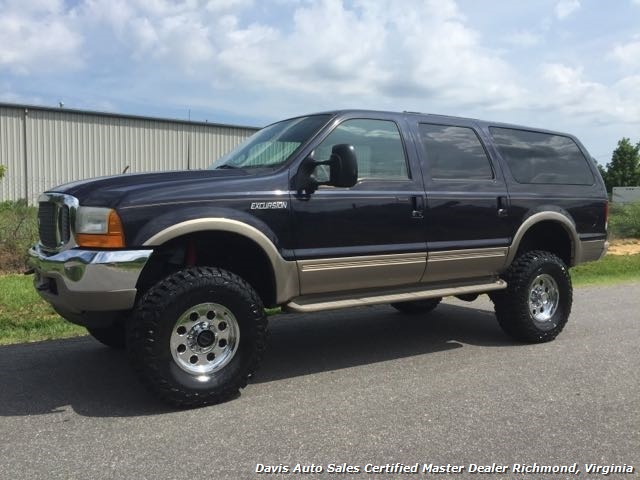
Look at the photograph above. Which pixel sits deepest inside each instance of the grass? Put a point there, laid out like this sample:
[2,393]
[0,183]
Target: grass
[611,269]
[624,220]
[25,317]
[18,231]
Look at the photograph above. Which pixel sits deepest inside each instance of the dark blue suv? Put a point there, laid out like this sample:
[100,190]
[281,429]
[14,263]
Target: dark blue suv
[320,212]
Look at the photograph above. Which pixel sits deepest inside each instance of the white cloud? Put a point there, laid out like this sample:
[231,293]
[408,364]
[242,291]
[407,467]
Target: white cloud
[364,52]
[564,8]
[628,54]
[524,38]
[219,6]
[37,36]
[372,51]
[568,91]
[171,33]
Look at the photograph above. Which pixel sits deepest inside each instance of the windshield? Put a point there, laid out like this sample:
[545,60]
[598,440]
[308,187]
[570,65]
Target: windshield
[273,145]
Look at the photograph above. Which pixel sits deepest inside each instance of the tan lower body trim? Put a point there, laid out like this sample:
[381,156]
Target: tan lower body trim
[461,264]
[349,273]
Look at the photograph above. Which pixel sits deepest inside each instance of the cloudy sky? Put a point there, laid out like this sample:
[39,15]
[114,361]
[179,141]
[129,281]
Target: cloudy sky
[571,65]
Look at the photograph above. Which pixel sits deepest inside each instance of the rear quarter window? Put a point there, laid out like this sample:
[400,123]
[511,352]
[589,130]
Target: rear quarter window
[536,157]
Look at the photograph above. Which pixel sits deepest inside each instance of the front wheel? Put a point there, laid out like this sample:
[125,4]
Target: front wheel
[536,304]
[197,336]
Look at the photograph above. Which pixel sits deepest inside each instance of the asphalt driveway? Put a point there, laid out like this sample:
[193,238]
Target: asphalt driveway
[361,386]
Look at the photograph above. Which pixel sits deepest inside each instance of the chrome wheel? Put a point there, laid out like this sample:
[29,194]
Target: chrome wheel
[543,298]
[205,338]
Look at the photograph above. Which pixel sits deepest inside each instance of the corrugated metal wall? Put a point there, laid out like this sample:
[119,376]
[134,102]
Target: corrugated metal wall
[12,153]
[43,147]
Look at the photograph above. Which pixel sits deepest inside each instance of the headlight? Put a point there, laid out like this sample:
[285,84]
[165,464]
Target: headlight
[92,220]
[98,227]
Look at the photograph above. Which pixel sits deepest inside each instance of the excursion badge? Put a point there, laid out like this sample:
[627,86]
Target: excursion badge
[268,205]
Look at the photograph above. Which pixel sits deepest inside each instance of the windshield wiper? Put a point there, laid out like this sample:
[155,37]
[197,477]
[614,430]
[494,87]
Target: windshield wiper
[226,165]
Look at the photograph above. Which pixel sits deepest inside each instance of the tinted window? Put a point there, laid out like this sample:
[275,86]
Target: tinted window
[454,153]
[535,157]
[378,148]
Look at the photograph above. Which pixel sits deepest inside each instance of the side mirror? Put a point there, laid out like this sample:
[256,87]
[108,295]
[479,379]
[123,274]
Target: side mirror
[343,166]
[343,170]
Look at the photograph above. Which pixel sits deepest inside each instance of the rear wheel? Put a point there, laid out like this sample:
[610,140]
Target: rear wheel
[536,304]
[197,336]
[112,336]
[414,307]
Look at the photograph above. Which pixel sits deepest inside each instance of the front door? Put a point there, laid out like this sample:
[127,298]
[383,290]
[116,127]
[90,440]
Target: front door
[372,234]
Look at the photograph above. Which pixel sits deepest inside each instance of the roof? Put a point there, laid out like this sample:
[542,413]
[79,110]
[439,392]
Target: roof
[435,116]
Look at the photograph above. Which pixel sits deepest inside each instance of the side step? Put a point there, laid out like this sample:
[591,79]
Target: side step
[317,303]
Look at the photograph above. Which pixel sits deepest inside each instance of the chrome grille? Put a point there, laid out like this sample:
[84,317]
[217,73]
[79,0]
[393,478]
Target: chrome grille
[64,230]
[47,224]
[56,214]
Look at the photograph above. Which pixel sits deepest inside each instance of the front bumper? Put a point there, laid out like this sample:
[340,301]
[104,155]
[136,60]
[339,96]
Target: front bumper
[78,281]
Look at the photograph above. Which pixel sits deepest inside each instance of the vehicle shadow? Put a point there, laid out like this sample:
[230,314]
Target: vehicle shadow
[47,377]
[313,343]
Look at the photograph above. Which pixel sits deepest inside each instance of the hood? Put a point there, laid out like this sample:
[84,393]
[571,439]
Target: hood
[119,190]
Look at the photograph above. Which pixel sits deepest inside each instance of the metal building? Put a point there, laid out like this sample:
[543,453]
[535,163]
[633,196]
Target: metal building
[625,195]
[43,147]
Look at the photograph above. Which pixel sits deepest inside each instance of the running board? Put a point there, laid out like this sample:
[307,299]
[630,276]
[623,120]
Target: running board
[318,303]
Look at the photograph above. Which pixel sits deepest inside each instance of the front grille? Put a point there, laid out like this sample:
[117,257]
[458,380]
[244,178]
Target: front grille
[54,224]
[65,232]
[47,224]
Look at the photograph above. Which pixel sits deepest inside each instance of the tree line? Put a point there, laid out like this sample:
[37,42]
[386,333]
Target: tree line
[624,168]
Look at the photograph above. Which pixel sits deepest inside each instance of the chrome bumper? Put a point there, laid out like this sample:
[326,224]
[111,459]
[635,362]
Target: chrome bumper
[88,280]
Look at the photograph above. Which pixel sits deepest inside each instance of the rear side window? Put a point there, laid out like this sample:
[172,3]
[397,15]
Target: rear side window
[535,157]
[454,153]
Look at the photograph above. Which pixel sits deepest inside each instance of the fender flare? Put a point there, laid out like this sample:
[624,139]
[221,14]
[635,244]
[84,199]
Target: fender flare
[285,272]
[564,220]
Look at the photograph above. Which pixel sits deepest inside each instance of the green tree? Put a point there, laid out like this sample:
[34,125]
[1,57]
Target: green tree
[3,169]
[603,174]
[624,168]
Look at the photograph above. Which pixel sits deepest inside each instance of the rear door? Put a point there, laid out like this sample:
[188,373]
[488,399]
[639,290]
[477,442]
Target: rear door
[372,234]
[467,218]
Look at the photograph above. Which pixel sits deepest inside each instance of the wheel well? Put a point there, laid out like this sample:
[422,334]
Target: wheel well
[230,251]
[550,236]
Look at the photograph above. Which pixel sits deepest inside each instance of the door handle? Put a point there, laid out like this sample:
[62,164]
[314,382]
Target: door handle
[503,204]
[417,207]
